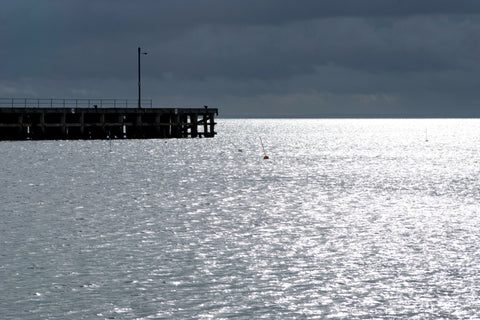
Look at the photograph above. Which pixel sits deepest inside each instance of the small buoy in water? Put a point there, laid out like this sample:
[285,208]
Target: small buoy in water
[265,157]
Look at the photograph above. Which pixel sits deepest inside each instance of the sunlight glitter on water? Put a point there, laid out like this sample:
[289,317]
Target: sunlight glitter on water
[347,219]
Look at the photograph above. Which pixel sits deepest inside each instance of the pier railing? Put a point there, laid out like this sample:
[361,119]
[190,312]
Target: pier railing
[72,103]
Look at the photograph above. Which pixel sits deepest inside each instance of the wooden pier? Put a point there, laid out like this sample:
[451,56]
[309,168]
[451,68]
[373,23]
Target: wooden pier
[70,119]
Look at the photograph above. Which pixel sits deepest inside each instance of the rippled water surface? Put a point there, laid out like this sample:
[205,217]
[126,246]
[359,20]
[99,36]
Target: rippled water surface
[348,219]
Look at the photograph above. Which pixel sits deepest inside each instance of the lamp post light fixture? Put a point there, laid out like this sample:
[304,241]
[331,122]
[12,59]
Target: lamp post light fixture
[139,83]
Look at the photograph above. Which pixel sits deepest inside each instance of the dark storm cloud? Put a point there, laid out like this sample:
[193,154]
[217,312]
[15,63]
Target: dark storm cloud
[272,52]
[375,53]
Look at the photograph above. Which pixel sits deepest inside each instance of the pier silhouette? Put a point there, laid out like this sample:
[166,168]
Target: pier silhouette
[71,119]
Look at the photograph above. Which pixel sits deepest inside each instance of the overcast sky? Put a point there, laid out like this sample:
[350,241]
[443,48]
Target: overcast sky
[249,57]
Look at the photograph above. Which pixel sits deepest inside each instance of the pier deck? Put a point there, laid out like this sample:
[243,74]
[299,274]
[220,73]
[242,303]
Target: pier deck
[36,122]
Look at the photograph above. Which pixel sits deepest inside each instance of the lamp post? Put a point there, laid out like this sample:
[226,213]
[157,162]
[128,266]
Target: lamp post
[139,84]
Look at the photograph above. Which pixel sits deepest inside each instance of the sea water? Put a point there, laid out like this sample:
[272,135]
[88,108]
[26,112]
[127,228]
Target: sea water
[347,219]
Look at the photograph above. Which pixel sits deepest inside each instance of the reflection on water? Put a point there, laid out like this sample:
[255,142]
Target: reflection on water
[347,219]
